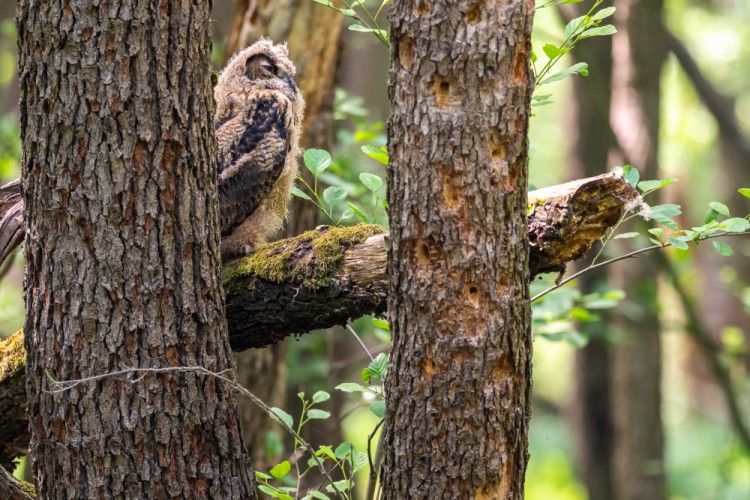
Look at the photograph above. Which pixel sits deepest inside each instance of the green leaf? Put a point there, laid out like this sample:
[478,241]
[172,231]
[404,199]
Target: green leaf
[300,194]
[357,212]
[371,181]
[631,175]
[342,486]
[723,248]
[262,475]
[576,339]
[603,13]
[283,416]
[325,450]
[347,214]
[378,408]
[379,365]
[334,195]
[575,25]
[381,323]
[273,492]
[654,185]
[711,216]
[735,225]
[319,495]
[376,154]
[327,3]
[720,208]
[663,214]
[599,31]
[315,414]
[346,12]
[677,243]
[657,231]
[317,160]
[281,470]
[744,192]
[580,68]
[533,56]
[320,396]
[624,236]
[343,450]
[350,387]
[552,51]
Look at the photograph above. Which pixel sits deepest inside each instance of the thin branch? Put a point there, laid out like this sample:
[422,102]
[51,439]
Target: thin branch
[66,385]
[630,255]
[700,332]
[362,344]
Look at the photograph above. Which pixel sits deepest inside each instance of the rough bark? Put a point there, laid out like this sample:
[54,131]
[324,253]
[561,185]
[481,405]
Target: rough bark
[356,283]
[459,376]
[312,33]
[638,53]
[122,253]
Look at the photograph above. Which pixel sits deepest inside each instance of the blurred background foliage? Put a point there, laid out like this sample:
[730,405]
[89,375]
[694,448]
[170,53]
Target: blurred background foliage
[703,458]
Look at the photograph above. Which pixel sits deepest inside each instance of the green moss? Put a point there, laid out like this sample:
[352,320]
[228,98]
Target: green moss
[28,488]
[12,356]
[308,259]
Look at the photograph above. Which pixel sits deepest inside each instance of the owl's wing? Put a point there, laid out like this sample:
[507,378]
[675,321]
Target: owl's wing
[253,146]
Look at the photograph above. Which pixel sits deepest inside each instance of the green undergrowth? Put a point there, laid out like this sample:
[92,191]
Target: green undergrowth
[308,259]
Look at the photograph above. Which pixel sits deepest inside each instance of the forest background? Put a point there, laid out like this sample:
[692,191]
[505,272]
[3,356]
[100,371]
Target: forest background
[702,143]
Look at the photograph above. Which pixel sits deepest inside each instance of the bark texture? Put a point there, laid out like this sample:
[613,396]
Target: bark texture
[122,252]
[637,58]
[459,377]
[13,489]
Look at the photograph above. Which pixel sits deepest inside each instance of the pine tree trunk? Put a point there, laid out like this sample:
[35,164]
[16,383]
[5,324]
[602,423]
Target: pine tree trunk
[458,387]
[122,253]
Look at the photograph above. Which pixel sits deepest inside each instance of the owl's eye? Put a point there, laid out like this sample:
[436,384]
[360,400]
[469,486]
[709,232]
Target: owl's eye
[271,68]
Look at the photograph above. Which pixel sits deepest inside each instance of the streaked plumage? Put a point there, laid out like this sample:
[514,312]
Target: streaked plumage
[258,117]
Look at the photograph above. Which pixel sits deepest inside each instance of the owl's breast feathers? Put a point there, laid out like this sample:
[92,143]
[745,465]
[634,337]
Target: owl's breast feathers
[254,138]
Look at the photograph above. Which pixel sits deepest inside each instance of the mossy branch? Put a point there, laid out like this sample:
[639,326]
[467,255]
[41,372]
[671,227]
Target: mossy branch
[328,276]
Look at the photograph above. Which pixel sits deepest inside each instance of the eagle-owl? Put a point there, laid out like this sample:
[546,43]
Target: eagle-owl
[257,124]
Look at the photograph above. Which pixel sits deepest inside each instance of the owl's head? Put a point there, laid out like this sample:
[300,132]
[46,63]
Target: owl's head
[262,65]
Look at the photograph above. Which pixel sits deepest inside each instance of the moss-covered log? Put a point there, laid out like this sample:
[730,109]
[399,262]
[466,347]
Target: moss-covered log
[325,277]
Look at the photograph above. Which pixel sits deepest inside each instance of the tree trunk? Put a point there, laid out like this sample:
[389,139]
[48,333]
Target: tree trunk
[122,253]
[638,54]
[459,380]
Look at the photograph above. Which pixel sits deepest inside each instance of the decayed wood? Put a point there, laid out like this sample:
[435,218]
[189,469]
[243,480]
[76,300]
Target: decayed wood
[263,311]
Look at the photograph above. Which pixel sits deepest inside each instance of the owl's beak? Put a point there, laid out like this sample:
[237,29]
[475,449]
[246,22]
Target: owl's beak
[290,81]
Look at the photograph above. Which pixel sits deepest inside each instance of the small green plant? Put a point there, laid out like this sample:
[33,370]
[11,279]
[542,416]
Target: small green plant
[578,29]
[365,20]
[279,482]
[330,202]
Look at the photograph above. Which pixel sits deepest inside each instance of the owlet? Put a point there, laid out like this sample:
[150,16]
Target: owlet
[258,117]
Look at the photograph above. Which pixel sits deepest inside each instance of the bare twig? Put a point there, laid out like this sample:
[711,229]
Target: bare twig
[700,332]
[66,385]
[630,255]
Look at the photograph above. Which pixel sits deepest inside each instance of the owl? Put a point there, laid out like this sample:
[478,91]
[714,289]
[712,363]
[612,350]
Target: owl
[257,124]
